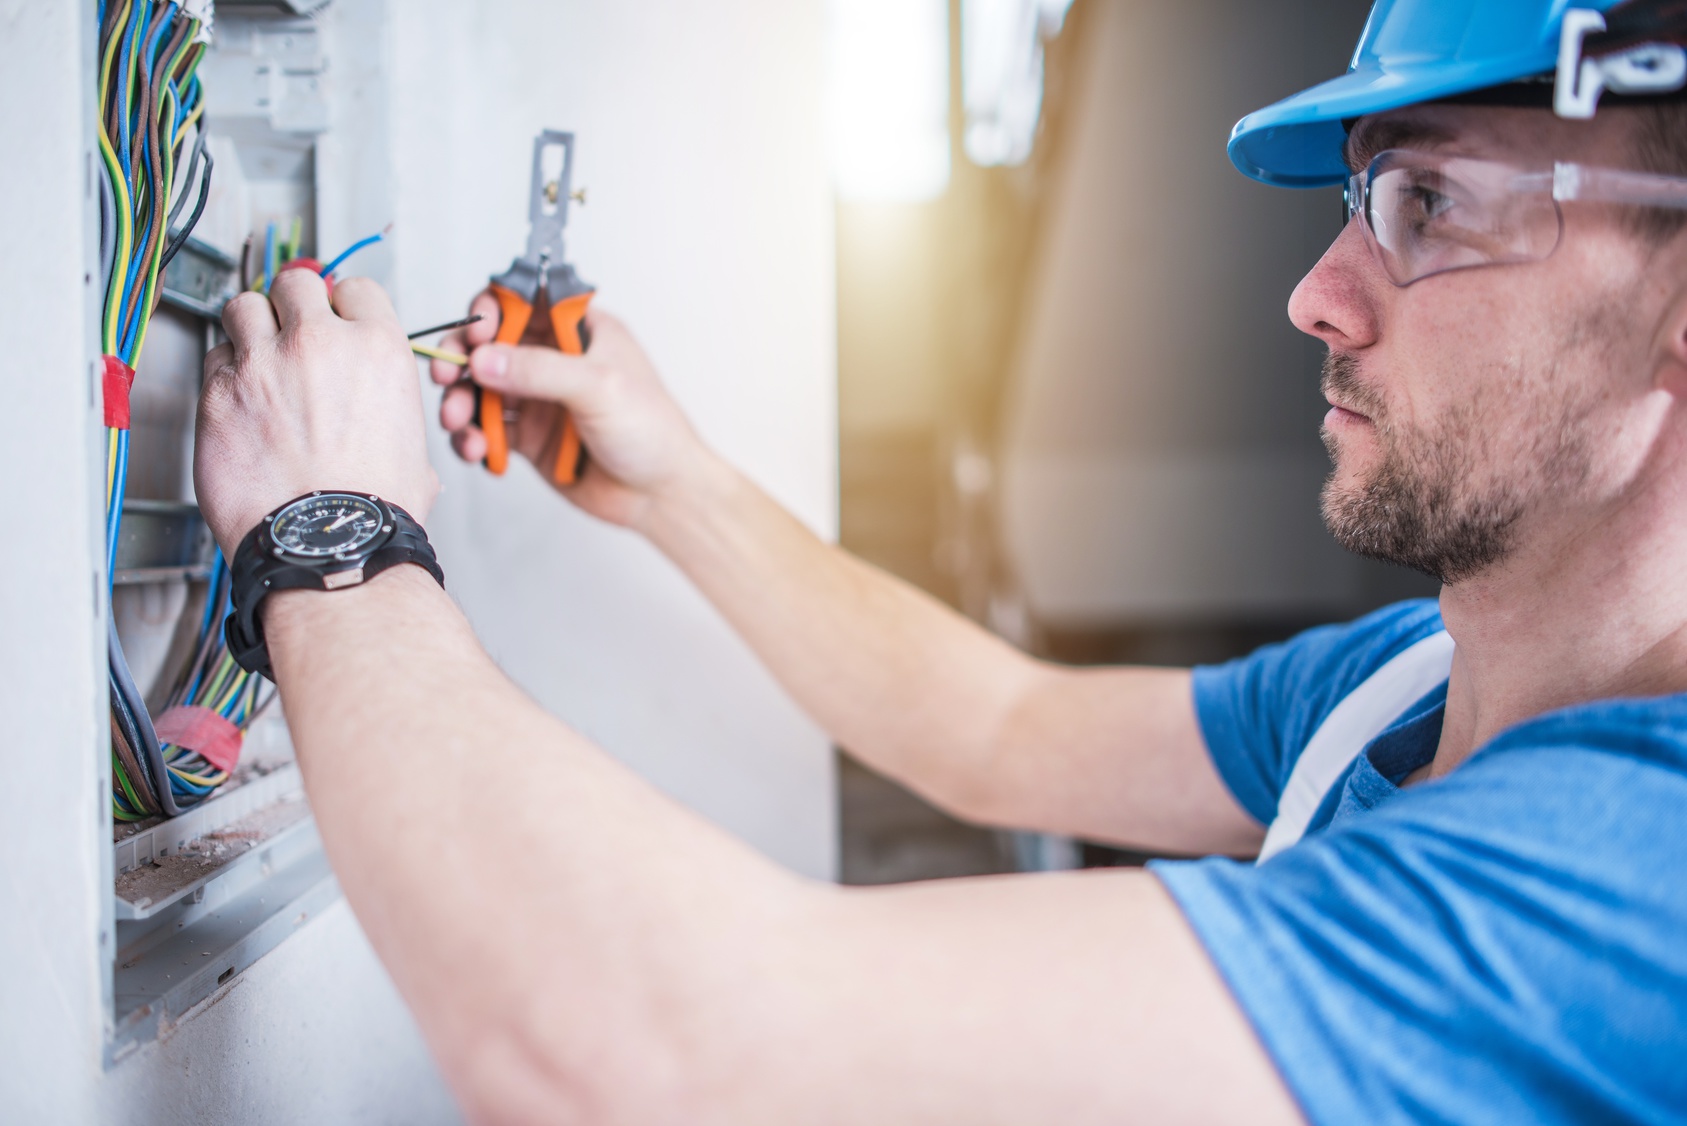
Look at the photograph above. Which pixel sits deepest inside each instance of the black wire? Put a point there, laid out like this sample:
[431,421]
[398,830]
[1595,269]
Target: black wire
[192,220]
[131,735]
[448,325]
[192,167]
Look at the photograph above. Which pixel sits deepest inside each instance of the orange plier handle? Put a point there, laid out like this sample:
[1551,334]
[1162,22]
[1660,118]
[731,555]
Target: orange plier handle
[568,326]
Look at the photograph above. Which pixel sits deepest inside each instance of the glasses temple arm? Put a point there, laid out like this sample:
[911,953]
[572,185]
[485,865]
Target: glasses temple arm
[1611,185]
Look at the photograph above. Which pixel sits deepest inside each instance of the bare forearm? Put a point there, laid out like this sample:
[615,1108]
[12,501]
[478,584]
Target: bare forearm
[929,698]
[487,849]
[903,682]
[577,948]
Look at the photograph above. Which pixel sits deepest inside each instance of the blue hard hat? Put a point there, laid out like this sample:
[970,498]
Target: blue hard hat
[1410,51]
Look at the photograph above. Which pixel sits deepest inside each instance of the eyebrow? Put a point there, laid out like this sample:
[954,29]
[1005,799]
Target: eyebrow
[1370,137]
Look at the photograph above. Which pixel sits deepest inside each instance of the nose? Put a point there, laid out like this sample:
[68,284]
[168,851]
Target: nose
[1337,301]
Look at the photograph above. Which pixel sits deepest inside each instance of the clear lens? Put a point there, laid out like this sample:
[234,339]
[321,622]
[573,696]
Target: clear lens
[1426,214]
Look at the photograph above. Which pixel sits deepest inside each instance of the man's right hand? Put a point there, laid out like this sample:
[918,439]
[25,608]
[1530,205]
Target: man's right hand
[640,445]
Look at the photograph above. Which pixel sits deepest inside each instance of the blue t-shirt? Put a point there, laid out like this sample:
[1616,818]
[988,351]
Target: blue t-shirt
[1507,944]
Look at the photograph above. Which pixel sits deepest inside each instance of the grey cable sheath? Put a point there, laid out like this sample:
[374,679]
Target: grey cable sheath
[149,752]
[192,220]
[187,182]
[108,232]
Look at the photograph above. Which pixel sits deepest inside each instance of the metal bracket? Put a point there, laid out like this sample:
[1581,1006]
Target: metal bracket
[200,279]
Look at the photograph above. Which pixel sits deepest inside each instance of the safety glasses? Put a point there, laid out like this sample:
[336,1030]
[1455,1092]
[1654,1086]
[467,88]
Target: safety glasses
[1425,214]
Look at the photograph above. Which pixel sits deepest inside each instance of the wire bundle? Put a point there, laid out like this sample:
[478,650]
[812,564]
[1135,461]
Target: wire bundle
[279,251]
[150,100]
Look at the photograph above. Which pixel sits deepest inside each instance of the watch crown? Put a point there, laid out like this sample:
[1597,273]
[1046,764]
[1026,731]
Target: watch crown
[281,551]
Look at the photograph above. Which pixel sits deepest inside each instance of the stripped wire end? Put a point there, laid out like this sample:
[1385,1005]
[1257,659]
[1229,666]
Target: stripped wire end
[457,358]
[354,248]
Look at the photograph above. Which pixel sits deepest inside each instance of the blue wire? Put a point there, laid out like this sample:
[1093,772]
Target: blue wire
[114,514]
[150,50]
[269,257]
[122,81]
[210,595]
[158,36]
[183,786]
[223,602]
[129,329]
[350,250]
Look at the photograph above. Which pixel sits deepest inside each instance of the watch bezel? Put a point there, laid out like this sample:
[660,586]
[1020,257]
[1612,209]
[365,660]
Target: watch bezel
[340,560]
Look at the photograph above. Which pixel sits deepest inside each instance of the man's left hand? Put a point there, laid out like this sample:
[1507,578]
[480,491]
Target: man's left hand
[309,394]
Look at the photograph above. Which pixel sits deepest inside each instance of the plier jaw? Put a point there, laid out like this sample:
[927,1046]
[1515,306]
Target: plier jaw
[551,192]
[542,270]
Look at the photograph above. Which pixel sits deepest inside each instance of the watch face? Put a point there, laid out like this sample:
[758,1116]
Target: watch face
[329,525]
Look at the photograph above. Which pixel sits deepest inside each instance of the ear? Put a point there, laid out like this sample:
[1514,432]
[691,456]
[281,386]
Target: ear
[1671,372]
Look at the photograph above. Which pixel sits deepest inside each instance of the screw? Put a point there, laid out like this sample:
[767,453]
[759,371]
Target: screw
[552,190]
[578,195]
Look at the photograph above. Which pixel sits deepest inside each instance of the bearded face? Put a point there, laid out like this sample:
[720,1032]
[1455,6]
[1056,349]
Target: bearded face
[1447,499]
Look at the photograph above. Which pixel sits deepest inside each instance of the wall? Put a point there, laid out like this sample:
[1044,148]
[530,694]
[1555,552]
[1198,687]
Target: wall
[709,227]
[49,687]
[1160,448]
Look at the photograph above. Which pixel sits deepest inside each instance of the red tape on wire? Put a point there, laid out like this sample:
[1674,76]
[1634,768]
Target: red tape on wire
[202,730]
[119,377]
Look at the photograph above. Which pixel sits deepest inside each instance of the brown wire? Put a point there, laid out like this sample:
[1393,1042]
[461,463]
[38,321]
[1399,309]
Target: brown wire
[132,767]
[156,193]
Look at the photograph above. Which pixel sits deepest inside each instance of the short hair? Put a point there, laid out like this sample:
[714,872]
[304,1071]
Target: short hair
[1661,145]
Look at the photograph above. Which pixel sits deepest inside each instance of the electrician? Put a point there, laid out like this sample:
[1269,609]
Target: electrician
[1473,813]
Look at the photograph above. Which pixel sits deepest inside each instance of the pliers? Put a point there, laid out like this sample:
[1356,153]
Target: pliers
[541,271]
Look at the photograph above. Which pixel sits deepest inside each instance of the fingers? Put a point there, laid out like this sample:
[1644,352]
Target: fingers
[466,339]
[441,372]
[469,444]
[528,372]
[363,299]
[483,330]
[456,409]
[299,295]
[456,415]
[249,320]
[219,365]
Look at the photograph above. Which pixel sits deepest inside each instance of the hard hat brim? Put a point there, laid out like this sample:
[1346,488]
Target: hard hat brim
[1297,142]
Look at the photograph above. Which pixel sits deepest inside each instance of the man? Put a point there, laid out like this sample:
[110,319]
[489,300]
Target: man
[1474,910]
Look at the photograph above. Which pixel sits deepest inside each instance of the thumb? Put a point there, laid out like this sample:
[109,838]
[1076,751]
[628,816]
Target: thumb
[528,372]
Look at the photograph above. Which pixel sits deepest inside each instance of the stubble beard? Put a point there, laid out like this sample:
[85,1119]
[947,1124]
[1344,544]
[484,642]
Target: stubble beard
[1426,505]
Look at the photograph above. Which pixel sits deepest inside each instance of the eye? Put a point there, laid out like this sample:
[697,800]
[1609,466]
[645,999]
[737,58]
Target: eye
[1421,204]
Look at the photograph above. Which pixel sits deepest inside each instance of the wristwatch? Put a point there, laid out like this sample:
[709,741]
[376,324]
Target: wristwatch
[322,541]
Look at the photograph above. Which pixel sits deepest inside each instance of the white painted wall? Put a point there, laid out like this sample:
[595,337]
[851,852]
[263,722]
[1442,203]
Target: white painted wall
[709,227]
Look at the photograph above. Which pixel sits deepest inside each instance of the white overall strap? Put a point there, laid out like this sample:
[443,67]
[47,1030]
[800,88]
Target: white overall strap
[1362,715]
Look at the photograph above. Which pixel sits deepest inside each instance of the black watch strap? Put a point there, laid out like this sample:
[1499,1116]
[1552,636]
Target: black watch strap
[260,568]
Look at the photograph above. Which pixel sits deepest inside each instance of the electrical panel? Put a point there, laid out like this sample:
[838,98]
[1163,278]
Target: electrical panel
[227,140]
